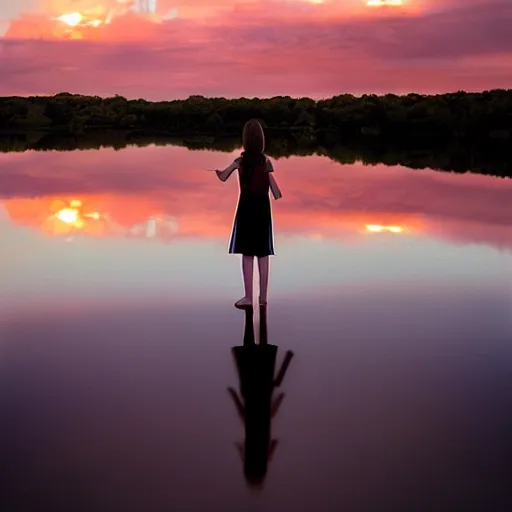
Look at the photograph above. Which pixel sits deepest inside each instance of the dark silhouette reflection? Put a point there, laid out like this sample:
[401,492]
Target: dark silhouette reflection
[256,404]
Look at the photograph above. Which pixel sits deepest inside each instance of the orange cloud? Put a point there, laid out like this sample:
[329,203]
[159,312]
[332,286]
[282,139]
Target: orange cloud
[88,19]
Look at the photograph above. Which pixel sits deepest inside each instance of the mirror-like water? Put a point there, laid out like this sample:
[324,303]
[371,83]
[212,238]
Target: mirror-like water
[392,288]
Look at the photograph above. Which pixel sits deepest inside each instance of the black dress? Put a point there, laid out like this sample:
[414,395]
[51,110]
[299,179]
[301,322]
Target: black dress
[252,229]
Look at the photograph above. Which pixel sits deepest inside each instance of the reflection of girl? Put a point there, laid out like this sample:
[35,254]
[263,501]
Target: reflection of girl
[256,405]
[252,234]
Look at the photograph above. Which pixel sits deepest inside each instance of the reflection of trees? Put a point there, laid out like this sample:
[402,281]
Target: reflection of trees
[484,158]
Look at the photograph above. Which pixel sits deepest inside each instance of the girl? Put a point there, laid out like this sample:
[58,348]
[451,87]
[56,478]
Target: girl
[252,234]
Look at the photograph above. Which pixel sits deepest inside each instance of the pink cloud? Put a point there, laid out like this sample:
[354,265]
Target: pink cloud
[270,48]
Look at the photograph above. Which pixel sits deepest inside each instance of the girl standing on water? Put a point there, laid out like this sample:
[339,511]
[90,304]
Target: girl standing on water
[252,235]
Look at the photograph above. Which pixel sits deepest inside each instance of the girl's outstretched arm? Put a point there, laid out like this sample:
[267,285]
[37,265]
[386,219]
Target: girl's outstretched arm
[226,173]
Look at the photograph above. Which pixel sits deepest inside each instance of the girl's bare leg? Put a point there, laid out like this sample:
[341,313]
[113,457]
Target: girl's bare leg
[263,264]
[248,272]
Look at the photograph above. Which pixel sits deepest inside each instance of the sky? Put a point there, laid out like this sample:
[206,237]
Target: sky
[263,48]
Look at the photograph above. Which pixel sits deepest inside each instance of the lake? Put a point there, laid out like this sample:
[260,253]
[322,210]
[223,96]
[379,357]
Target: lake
[392,288]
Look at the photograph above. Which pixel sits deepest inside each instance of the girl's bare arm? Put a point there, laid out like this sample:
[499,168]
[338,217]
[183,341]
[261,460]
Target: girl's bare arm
[276,191]
[226,173]
[274,187]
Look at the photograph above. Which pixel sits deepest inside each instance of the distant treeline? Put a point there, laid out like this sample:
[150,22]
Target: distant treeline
[486,157]
[453,116]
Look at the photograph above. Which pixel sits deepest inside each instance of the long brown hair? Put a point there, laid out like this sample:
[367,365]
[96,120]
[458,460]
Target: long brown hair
[253,137]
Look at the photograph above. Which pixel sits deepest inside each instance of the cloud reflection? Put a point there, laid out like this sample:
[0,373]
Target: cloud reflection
[163,193]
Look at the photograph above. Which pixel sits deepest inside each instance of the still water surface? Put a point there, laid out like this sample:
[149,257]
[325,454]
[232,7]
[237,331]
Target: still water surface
[392,287]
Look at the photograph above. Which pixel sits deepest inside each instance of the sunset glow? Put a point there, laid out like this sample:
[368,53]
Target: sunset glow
[75,216]
[383,3]
[72,19]
[79,23]
[95,216]
[68,215]
[143,217]
[375,228]
[193,47]
[149,223]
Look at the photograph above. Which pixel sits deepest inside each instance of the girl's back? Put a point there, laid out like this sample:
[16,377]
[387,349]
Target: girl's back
[253,173]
